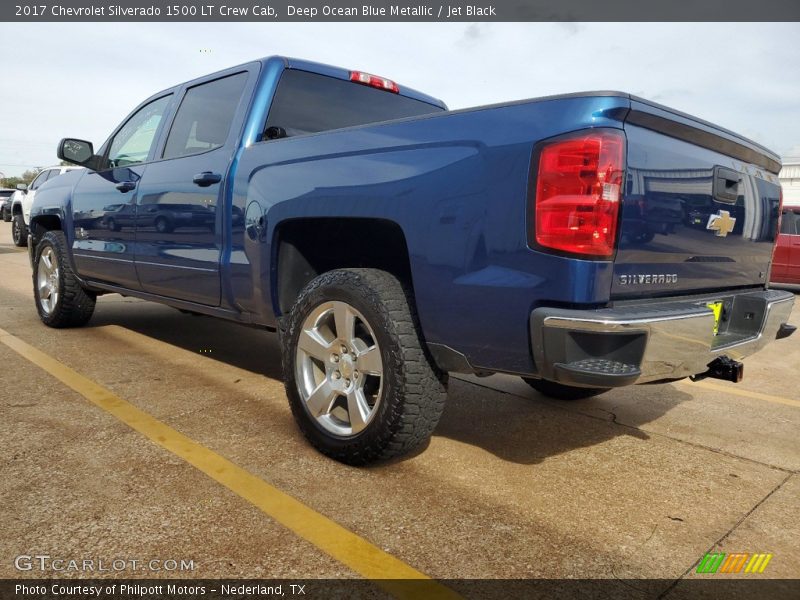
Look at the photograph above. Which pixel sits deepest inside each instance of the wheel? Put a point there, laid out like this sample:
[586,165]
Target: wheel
[6,214]
[642,237]
[60,299]
[360,383]
[19,231]
[162,225]
[559,391]
[112,225]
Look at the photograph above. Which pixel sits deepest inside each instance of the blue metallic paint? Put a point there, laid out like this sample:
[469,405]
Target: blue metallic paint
[667,206]
[455,183]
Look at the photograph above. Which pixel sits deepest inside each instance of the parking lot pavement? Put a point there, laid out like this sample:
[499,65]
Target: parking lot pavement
[637,483]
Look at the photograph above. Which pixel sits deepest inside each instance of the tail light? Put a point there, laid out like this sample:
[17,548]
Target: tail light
[578,187]
[374,81]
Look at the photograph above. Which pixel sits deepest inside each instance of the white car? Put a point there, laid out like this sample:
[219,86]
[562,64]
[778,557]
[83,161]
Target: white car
[21,203]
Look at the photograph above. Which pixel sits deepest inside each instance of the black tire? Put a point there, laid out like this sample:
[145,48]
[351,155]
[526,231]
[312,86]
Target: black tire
[75,305]
[6,214]
[644,237]
[163,225]
[413,391]
[559,391]
[19,231]
[112,224]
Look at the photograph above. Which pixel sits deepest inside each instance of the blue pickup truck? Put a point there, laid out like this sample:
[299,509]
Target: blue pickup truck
[583,242]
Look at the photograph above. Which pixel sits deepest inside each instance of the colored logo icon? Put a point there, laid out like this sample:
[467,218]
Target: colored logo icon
[738,562]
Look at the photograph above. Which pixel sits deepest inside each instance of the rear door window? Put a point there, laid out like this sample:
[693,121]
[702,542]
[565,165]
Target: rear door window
[204,118]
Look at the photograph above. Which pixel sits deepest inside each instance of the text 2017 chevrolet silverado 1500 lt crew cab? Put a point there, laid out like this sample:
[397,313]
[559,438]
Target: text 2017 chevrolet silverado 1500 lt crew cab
[584,241]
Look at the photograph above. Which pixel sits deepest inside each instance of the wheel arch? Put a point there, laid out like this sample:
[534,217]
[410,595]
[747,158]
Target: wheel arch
[304,248]
[46,223]
[42,223]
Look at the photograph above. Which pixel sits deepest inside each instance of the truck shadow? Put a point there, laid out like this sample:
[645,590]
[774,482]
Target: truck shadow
[249,348]
[510,420]
[501,415]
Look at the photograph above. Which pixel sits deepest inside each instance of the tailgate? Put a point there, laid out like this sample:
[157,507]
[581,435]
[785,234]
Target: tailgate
[700,208]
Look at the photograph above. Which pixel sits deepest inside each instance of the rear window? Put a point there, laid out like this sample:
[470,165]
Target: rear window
[790,222]
[308,103]
[6,194]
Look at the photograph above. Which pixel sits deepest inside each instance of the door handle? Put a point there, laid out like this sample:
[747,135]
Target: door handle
[725,186]
[125,186]
[206,178]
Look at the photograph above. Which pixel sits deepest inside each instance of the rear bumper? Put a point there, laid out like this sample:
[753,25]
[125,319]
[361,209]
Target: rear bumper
[655,340]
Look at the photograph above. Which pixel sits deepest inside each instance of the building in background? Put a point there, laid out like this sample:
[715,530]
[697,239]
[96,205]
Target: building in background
[790,181]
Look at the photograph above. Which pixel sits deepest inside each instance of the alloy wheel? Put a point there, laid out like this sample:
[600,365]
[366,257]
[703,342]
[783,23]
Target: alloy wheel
[47,280]
[339,369]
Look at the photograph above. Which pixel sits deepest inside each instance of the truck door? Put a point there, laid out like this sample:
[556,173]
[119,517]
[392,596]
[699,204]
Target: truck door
[793,233]
[181,199]
[786,260]
[103,202]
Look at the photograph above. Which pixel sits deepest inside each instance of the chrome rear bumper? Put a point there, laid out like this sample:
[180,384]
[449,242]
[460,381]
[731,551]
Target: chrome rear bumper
[653,340]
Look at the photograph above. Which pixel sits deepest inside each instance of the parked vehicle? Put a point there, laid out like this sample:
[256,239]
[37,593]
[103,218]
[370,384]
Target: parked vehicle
[389,241]
[22,202]
[163,218]
[15,198]
[786,263]
[5,205]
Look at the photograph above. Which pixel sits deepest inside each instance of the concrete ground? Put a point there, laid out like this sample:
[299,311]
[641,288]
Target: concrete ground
[638,483]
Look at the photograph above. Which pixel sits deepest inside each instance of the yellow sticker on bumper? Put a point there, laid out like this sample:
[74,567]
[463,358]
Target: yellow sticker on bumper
[716,307]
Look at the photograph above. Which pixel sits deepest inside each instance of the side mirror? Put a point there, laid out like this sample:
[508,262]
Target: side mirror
[22,187]
[78,152]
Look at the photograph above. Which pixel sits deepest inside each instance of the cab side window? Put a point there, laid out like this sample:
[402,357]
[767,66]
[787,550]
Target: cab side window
[205,115]
[133,142]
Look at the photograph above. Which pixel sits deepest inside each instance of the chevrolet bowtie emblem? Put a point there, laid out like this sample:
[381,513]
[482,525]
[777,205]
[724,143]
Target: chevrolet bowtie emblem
[722,223]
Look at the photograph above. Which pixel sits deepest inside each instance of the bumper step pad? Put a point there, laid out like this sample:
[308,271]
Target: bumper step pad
[600,372]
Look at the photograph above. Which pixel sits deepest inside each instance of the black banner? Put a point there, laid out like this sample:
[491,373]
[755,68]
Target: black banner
[744,587]
[387,11]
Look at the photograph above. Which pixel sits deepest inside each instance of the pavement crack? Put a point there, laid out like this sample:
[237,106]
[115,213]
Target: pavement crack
[650,537]
[725,536]
[614,416]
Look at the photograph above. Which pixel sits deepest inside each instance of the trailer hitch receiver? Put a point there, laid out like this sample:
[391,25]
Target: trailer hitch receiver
[723,368]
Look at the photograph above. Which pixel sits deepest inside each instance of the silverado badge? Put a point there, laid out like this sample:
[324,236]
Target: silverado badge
[722,223]
[648,278]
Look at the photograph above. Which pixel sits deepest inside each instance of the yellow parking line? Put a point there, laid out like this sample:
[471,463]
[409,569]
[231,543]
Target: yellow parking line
[736,391]
[361,556]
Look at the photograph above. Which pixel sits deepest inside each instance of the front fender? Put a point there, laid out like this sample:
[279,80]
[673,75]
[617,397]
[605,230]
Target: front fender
[52,209]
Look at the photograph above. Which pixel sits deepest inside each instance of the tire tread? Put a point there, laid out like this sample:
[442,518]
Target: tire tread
[424,387]
[76,305]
